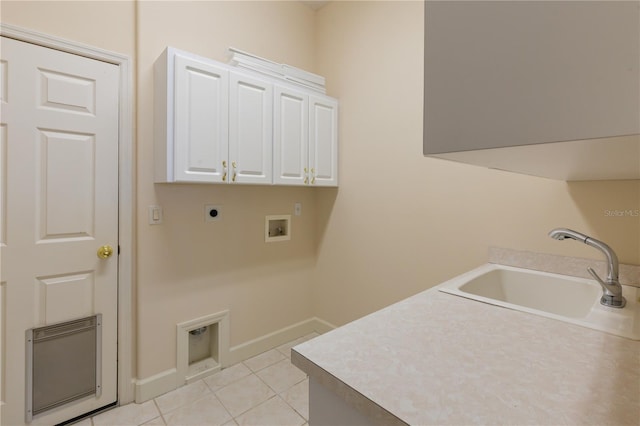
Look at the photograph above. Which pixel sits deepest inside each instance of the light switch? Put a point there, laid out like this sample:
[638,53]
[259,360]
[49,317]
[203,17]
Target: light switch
[155,215]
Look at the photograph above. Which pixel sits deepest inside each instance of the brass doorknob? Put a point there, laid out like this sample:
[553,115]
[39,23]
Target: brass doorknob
[105,252]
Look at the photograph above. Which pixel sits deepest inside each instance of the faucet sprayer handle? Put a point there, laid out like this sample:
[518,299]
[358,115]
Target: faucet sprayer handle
[612,292]
[596,277]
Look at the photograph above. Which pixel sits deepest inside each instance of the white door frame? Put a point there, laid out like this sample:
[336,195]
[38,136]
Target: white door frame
[125,190]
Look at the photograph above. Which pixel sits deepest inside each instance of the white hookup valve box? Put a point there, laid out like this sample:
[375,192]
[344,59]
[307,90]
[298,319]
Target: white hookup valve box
[277,228]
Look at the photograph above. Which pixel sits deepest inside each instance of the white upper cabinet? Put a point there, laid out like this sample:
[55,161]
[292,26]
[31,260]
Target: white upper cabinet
[250,130]
[323,141]
[305,139]
[291,137]
[548,88]
[218,124]
[191,120]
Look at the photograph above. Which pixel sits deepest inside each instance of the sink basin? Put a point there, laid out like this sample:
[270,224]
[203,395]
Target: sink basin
[569,299]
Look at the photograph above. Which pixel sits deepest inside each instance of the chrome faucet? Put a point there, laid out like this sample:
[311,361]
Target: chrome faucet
[612,289]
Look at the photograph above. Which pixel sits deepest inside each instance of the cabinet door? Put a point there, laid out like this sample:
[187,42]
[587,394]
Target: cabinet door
[291,137]
[323,141]
[512,73]
[201,121]
[250,130]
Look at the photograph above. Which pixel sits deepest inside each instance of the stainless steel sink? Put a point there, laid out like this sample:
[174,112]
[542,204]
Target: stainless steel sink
[561,297]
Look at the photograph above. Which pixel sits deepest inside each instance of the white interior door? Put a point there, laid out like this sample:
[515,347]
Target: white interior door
[58,205]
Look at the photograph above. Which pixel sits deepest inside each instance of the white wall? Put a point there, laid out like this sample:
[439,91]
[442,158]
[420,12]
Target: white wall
[188,268]
[401,222]
[106,24]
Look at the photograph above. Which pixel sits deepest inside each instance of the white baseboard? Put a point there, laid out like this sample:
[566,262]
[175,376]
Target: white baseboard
[157,385]
[166,381]
[279,337]
[129,395]
[321,326]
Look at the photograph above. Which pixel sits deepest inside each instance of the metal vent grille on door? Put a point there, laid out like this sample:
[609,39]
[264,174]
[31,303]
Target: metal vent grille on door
[63,364]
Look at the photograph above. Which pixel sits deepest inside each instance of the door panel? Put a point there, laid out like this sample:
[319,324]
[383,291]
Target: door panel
[65,194]
[52,292]
[3,182]
[59,205]
[67,92]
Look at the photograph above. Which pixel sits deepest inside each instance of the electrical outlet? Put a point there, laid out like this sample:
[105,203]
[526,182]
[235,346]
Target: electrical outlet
[212,213]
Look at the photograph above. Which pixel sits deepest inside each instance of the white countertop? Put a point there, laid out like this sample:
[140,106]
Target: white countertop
[436,358]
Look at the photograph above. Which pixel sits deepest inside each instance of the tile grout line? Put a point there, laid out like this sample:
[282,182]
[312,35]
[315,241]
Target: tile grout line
[279,394]
[260,403]
[221,403]
[294,408]
[224,407]
[159,412]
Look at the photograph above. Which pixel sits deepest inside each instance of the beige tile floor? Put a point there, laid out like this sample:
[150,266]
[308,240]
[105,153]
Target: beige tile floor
[266,390]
